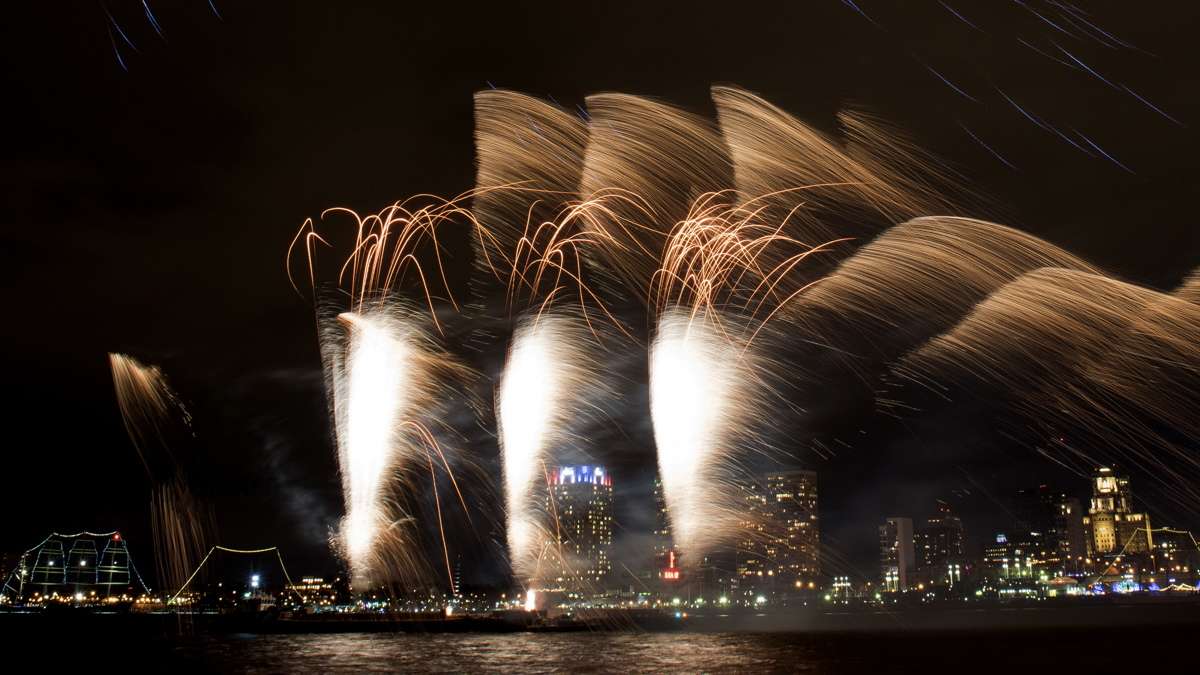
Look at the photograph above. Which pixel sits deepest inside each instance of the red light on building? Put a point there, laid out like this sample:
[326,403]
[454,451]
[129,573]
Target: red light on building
[672,572]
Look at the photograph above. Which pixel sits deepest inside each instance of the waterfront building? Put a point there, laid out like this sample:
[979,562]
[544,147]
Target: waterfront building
[1113,527]
[665,560]
[780,548]
[797,522]
[1176,555]
[315,591]
[938,545]
[1050,528]
[896,555]
[1009,557]
[581,524]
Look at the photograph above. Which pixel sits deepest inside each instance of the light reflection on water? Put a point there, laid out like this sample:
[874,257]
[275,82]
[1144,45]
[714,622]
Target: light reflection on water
[506,653]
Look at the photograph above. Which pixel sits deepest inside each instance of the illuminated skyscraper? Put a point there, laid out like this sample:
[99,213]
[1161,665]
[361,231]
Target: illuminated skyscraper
[896,559]
[1051,526]
[794,495]
[938,545]
[580,508]
[1113,527]
[781,546]
[666,566]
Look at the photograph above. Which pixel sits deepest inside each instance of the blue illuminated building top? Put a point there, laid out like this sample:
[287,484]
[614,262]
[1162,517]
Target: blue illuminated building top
[572,475]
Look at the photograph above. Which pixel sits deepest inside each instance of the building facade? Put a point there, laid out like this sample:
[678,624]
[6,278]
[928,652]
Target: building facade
[780,548]
[939,547]
[1113,527]
[581,523]
[1050,529]
[896,555]
[665,563]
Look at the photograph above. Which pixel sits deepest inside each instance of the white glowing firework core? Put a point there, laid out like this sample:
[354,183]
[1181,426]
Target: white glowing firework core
[375,369]
[695,400]
[530,406]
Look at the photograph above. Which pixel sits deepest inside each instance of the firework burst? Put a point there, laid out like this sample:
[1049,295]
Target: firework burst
[388,382]
[739,242]
[1100,370]
[550,388]
[155,420]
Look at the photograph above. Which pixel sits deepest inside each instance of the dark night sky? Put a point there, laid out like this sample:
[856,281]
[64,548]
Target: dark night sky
[148,211]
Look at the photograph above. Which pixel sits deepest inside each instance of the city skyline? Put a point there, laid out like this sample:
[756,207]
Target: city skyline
[665,337]
[777,563]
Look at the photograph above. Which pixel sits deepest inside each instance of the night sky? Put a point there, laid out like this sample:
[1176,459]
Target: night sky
[150,196]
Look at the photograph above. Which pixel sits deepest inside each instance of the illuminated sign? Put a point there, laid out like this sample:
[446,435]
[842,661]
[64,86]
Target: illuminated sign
[672,572]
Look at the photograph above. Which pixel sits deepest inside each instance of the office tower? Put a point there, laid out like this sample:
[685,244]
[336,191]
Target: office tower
[1050,525]
[938,546]
[581,522]
[896,557]
[666,564]
[780,547]
[1114,528]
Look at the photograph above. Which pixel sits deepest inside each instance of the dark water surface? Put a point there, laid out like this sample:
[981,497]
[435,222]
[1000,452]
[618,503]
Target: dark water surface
[1064,651]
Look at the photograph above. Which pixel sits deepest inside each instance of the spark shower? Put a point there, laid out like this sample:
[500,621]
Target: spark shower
[755,264]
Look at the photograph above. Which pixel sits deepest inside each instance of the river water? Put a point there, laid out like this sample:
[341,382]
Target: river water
[1093,651]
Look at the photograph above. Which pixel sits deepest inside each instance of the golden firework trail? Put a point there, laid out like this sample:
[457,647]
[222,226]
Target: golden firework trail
[744,242]
[867,182]
[148,407]
[913,281]
[388,248]
[1089,361]
[733,267]
[388,380]
[529,157]
[724,276]
[155,419]
[704,402]
[665,159]
[531,233]
[1190,288]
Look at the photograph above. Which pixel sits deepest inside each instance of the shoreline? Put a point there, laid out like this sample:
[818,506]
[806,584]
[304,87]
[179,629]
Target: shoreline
[1006,618]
